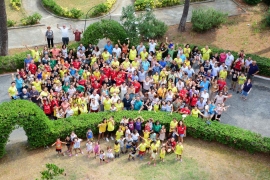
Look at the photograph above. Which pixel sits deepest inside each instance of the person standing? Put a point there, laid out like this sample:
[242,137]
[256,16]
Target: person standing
[77,35]
[49,37]
[64,30]
[246,88]
[253,69]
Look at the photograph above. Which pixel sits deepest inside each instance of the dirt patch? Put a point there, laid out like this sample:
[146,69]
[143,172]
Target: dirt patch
[201,160]
[240,32]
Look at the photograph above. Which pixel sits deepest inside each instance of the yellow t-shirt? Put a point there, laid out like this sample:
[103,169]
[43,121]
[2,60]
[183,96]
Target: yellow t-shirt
[102,127]
[241,80]
[125,64]
[118,106]
[146,135]
[178,149]
[159,56]
[96,74]
[206,54]
[162,74]
[223,74]
[187,62]
[161,92]
[142,147]
[116,147]
[76,111]
[37,85]
[45,75]
[44,94]
[186,52]
[173,125]
[147,142]
[114,90]
[105,55]
[35,55]
[12,91]
[86,75]
[118,135]
[115,64]
[135,64]
[62,72]
[178,61]
[110,126]
[155,78]
[144,55]
[93,60]
[154,147]
[132,54]
[107,104]
[195,113]
[156,107]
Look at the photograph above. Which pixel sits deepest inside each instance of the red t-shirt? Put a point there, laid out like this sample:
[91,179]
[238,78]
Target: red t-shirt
[67,65]
[82,82]
[122,75]
[32,68]
[193,101]
[221,84]
[182,93]
[55,52]
[181,129]
[48,68]
[222,57]
[185,111]
[22,74]
[77,35]
[237,65]
[76,64]
[47,109]
[96,85]
[147,128]
[93,78]
[102,77]
[137,86]
[118,81]
[107,72]
[113,74]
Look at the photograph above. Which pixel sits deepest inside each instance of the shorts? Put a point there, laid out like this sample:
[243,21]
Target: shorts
[181,135]
[135,140]
[58,150]
[132,155]
[101,132]
[128,146]
[141,152]
[148,148]
[244,93]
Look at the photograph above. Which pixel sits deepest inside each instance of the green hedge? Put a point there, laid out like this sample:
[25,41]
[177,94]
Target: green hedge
[253,2]
[60,11]
[141,5]
[102,8]
[41,131]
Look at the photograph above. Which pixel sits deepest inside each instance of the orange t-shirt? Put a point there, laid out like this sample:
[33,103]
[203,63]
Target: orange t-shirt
[58,145]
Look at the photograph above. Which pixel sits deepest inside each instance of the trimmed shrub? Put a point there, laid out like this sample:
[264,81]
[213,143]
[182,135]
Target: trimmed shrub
[205,19]
[31,20]
[11,23]
[266,2]
[252,2]
[102,8]
[267,17]
[11,63]
[41,131]
[104,29]
[60,11]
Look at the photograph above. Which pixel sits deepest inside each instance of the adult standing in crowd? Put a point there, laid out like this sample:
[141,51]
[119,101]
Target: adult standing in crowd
[65,36]
[253,69]
[77,35]
[49,37]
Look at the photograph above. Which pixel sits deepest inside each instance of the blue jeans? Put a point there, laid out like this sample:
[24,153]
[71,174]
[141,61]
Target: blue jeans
[244,93]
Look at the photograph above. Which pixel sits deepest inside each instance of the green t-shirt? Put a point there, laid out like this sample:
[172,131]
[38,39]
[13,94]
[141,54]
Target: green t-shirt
[156,128]
[80,88]
[80,72]
[65,88]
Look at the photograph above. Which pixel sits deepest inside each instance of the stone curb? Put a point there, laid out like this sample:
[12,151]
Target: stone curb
[21,27]
[71,19]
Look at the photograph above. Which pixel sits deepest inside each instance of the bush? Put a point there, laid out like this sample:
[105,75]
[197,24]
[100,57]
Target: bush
[11,23]
[267,18]
[31,20]
[60,11]
[16,4]
[11,63]
[102,8]
[104,29]
[266,2]
[253,2]
[205,19]
[141,5]
[41,131]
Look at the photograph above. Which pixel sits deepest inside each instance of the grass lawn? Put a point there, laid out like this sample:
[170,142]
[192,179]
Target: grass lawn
[83,5]
[201,161]
[13,14]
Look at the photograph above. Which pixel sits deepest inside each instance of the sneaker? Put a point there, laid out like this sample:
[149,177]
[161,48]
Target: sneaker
[237,92]
[76,155]
[107,139]
[70,155]
[180,160]
[154,164]
[148,163]
[82,152]
[112,138]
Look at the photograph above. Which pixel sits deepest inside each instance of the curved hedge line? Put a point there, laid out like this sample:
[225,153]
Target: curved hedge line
[41,131]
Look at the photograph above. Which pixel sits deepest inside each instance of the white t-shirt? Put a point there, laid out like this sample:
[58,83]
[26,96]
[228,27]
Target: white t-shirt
[117,51]
[152,47]
[115,99]
[247,63]
[205,96]
[64,32]
[215,71]
[96,97]
[95,106]
[229,60]
[180,85]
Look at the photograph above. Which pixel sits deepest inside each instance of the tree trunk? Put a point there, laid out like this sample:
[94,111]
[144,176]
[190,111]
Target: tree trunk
[3,29]
[182,24]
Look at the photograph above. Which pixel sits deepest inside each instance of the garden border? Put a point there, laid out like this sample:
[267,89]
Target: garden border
[72,19]
[29,26]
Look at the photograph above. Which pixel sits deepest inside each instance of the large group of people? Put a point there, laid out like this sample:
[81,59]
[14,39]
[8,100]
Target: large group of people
[153,76]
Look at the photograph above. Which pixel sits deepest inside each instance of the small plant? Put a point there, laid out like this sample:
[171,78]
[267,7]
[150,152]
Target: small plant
[99,10]
[252,2]
[203,20]
[31,20]
[51,172]
[16,4]
[11,23]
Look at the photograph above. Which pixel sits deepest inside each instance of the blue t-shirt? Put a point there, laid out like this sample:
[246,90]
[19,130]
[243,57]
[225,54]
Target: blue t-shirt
[90,135]
[205,85]
[137,105]
[145,65]
[142,76]
[252,69]
[211,108]
[109,48]
[72,72]
[19,83]
[27,61]
[163,63]
[247,87]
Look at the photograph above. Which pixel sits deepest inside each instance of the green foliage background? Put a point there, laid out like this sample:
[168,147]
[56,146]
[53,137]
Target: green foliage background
[41,131]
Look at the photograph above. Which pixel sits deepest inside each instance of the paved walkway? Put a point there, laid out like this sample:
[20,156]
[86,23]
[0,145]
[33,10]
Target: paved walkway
[35,35]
